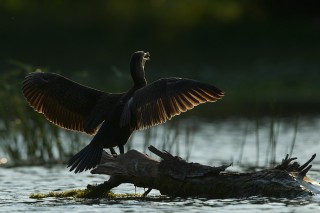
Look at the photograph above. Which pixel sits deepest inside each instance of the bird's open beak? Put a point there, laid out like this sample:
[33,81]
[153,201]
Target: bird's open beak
[146,56]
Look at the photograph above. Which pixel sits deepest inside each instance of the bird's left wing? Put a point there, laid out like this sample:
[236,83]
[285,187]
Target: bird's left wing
[161,100]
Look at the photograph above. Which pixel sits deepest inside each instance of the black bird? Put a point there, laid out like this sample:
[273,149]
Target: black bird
[76,107]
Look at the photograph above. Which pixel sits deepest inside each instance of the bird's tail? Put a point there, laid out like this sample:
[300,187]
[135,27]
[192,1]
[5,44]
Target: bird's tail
[86,159]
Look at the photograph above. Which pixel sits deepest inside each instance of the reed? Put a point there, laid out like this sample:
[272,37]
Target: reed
[243,143]
[257,126]
[294,135]
[174,136]
[272,140]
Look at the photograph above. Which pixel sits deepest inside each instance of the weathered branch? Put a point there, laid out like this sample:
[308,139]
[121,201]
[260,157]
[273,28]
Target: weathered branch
[174,176]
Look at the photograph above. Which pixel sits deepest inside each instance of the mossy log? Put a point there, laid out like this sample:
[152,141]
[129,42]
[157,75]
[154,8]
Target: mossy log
[175,177]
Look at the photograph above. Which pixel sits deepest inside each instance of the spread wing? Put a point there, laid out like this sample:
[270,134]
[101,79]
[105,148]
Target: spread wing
[66,103]
[161,100]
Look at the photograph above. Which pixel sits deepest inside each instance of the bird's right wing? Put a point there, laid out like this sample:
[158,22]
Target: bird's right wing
[66,103]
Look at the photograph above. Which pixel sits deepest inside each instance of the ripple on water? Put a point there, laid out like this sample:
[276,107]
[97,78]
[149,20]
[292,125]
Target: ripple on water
[219,140]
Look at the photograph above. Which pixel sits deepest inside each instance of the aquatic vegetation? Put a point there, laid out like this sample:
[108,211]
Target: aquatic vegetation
[272,125]
[83,193]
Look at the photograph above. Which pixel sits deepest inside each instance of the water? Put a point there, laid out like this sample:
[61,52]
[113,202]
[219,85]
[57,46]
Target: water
[213,143]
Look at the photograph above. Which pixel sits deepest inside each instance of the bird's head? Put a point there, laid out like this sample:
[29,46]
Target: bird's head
[146,57]
[139,58]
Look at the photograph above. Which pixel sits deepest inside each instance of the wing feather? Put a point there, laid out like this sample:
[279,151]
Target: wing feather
[66,103]
[163,99]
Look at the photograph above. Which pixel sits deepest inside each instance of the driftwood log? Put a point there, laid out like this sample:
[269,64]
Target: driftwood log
[175,177]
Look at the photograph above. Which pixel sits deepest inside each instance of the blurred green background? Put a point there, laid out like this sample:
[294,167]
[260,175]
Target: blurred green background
[263,54]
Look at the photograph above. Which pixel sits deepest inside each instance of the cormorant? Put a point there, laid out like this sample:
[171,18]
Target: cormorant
[76,107]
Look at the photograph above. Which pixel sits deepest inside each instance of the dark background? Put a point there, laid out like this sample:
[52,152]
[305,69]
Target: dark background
[264,54]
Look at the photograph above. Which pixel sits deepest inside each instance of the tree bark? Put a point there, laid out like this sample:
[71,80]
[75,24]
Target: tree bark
[173,176]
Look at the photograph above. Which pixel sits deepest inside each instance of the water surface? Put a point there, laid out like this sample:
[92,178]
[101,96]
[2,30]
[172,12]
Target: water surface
[212,143]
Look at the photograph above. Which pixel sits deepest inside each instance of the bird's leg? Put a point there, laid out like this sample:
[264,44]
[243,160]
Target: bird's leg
[113,152]
[146,192]
[121,149]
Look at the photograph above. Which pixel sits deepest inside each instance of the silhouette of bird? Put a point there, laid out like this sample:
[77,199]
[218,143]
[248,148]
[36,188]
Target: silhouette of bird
[76,107]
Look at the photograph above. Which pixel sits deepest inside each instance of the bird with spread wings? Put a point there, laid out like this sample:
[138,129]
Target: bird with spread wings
[112,117]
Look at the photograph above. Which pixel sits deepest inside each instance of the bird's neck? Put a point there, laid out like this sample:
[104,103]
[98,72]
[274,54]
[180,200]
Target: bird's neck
[138,75]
